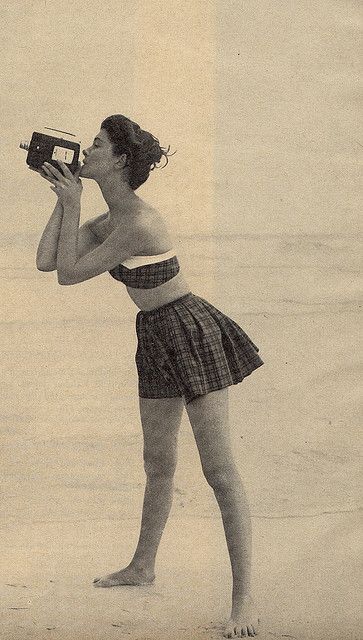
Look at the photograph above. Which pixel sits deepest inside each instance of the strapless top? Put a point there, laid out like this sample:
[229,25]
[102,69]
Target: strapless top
[147,272]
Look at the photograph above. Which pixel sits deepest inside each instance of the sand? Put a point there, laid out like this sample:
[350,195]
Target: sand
[72,450]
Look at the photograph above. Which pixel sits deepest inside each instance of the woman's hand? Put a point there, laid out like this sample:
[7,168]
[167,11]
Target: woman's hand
[67,186]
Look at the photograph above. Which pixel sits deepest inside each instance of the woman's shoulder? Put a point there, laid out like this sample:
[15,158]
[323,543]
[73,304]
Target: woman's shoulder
[150,218]
[148,230]
[154,229]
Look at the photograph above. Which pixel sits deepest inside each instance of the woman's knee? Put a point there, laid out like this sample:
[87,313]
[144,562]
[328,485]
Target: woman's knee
[159,465]
[222,479]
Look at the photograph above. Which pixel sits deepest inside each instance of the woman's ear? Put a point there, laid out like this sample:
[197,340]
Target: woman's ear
[122,161]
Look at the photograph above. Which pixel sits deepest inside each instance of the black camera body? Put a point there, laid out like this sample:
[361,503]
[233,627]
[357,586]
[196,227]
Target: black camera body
[45,148]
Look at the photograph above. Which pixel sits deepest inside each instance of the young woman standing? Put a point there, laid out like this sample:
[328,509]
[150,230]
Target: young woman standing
[188,351]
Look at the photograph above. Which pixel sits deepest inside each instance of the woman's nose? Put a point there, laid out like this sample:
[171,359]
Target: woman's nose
[85,152]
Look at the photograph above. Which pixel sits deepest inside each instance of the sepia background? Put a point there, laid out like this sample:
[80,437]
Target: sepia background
[260,101]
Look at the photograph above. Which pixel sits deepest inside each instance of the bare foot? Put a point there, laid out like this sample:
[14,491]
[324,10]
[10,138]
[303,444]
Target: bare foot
[244,623]
[128,576]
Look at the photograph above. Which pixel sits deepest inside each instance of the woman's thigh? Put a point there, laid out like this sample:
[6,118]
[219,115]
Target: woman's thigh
[160,420]
[209,418]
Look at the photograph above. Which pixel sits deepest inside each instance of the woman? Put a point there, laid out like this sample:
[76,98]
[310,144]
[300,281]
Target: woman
[188,352]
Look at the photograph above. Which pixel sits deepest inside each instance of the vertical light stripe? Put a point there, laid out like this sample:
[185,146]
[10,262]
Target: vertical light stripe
[175,100]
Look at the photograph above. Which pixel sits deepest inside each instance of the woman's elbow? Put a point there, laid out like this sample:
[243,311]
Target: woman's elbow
[46,267]
[62,281]
[65,280]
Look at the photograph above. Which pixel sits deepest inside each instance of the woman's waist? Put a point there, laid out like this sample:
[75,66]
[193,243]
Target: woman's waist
[148,299]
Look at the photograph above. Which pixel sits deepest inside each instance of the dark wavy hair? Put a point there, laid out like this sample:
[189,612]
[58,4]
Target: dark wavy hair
[142,149]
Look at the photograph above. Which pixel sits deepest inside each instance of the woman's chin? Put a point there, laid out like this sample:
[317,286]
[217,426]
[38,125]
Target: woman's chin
[83,172]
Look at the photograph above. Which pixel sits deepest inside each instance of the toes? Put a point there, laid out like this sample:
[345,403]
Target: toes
[247,631]
[99,582]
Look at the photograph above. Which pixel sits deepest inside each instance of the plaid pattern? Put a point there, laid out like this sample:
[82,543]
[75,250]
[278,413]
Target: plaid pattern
[149,275]
[188,348]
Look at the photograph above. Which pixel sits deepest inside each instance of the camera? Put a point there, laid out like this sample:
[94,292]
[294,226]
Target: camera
[44,147]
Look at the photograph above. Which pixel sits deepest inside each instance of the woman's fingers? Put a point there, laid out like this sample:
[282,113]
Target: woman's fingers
[42,174]
[78,171]
[50,177]
[47,172]
[52,172]
[66,171]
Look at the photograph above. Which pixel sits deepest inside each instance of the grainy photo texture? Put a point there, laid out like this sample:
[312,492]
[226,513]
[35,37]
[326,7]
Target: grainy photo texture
[180,372]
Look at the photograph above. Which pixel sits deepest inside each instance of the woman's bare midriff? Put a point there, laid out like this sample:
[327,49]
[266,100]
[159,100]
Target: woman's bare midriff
[148,299]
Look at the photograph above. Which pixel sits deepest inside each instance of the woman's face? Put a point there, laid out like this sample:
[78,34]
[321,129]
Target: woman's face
[99,159]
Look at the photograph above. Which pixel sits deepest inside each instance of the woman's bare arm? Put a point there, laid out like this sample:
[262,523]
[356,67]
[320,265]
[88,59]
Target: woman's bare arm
[121,244]
[117,247]
[46,259]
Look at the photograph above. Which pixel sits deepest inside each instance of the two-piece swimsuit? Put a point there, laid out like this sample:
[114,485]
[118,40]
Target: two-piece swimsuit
[187,347]
[147,272]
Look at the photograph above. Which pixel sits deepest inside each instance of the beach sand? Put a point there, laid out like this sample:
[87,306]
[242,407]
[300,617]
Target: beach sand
[72,449]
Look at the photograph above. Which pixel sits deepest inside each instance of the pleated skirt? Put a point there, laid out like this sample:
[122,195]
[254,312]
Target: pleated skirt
[188,348]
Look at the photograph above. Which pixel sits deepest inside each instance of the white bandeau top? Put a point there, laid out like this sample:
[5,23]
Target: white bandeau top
[140,261]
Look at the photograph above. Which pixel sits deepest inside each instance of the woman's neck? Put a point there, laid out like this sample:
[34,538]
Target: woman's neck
[120,198]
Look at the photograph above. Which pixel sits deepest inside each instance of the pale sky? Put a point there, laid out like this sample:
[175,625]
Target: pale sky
[260,100]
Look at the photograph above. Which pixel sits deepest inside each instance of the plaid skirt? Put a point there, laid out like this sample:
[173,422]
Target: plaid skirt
[188,347]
